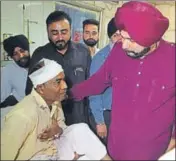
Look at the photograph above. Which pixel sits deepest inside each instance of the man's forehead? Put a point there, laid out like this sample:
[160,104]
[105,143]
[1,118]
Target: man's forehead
[91,27]
[60,75]
[17,49]
[59,25]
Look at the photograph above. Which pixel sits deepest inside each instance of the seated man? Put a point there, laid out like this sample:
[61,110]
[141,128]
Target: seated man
[35,128]
[14,75]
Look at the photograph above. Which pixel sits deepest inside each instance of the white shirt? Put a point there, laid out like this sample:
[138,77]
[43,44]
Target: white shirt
[13,81]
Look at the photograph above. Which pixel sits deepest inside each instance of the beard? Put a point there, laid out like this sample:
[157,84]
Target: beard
[60,44]
[90,42]
[137,55]
[24,62]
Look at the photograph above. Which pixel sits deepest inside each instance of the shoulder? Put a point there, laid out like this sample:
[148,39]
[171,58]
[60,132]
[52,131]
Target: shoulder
[11,67]
[169,44]
[45,48]
[168,50]
[103,52]
[26,108]
[80,46]
[164,63]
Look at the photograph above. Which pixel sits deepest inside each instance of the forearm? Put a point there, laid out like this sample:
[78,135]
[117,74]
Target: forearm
[92,86]
[96,107]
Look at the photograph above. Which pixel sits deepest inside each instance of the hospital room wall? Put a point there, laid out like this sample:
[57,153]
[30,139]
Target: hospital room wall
[28,18]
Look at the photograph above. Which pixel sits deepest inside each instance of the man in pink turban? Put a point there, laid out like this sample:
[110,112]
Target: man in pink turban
[141,71]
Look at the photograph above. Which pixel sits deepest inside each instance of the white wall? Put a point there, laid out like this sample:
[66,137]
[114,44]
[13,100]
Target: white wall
[168,9]
[14,19]
[15,22]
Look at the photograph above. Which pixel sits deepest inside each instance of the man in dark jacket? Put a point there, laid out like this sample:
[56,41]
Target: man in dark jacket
[74,58]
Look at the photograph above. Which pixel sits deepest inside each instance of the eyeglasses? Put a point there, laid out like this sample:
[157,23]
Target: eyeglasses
[126,38]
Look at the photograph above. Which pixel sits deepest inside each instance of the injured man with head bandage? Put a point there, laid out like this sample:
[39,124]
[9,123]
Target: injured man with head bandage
[35,129]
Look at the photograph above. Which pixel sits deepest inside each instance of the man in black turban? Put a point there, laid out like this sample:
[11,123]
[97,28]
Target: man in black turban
[14,75]
[17,47]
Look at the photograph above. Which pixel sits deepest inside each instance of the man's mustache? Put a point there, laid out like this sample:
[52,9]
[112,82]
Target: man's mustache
[128,51]
[91,39]
[60,41]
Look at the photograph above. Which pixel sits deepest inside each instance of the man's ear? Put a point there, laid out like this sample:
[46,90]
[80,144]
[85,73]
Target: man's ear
[40,89]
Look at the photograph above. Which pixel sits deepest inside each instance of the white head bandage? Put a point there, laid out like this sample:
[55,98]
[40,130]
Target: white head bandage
[48,71]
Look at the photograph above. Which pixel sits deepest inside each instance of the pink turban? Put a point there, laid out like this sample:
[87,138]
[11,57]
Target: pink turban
[144,23]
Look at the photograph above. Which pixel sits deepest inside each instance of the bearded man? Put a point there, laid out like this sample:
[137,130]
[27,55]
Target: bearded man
[14,75]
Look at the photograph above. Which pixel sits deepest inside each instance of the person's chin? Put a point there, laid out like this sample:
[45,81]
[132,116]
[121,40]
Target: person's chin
[63,97]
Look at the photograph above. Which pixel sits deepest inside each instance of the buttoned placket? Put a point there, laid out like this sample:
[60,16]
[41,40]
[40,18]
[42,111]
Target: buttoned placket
[138,83]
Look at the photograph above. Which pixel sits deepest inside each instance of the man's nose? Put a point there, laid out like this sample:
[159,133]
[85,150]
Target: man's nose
[91,35]
[64,85]
[125,44]
[21,54]
[59,36]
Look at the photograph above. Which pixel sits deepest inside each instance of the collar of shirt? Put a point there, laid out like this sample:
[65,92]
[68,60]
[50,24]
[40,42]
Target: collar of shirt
[42,104]
[111,44]
[17,66]
[96,51]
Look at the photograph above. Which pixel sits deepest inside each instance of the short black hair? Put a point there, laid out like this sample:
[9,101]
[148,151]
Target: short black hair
[91,22]
[57,16]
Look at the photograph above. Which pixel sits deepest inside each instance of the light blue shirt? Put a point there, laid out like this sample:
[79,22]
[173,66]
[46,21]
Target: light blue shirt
[13,81]
[101,102]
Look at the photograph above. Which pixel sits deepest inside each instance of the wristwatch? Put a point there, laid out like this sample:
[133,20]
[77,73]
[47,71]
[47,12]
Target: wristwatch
[56,136]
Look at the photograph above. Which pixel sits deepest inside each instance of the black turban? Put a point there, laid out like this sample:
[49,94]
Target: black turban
[12,42]
[111,27]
